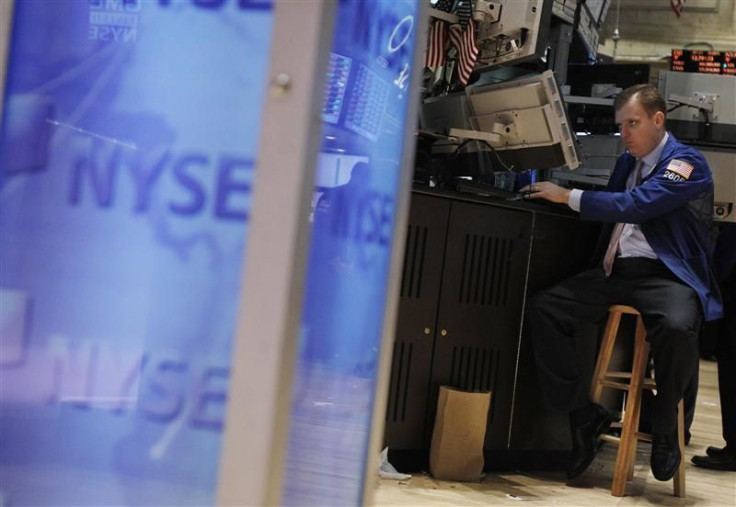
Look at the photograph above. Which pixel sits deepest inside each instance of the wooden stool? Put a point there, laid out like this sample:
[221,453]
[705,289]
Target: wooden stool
[632,382]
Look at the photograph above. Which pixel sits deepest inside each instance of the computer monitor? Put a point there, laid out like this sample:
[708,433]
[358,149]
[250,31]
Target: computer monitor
[438,114]
[525,120]
[511,31]
[600,81]
[590,16]
[598,10]
[583,78]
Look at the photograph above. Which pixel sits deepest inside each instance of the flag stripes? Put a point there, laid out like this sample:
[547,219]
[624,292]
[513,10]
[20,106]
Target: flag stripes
[464,41]
[682,168]
[437,39]
[677,6]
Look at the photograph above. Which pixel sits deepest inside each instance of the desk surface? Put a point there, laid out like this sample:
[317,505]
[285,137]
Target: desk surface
[501,200]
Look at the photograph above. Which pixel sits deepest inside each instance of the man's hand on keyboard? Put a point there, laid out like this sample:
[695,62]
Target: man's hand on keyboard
[546,190]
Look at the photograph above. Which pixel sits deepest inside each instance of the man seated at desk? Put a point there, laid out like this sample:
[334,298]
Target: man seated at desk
[657,210]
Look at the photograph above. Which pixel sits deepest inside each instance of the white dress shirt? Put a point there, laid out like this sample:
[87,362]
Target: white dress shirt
[632,242]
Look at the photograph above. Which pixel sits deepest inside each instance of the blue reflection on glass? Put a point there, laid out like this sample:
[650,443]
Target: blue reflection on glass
[126,162]
[356,189]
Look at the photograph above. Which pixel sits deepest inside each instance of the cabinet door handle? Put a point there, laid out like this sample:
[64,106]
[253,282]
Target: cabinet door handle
[427,330]
[443,332]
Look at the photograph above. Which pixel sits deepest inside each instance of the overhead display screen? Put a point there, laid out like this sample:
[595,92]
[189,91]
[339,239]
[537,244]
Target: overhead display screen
[705,62]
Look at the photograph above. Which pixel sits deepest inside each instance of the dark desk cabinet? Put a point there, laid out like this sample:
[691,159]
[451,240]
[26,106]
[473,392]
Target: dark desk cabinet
[561,247]
[416,324]
[468,267]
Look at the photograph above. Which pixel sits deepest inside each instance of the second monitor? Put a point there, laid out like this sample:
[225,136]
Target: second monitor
[525,119]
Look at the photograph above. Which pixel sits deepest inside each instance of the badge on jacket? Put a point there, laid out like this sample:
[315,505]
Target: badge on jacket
[678,170]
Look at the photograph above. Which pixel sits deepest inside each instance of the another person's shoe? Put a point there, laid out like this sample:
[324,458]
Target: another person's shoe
[715,451]
[716,459]
[666,456]
[585,440]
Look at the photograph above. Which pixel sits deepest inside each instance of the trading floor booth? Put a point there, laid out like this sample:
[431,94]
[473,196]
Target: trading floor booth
[538,104]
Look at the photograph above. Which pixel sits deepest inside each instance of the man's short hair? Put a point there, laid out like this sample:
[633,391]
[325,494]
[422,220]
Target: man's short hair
[647,95]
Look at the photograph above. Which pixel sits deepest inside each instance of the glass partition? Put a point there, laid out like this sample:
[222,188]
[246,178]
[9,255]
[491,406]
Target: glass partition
[358,186]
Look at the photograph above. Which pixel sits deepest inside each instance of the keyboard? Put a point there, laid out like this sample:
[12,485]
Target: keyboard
[475,187]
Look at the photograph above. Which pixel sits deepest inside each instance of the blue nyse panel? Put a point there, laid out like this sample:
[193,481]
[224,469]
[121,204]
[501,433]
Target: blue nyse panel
[356,190]
[126,162]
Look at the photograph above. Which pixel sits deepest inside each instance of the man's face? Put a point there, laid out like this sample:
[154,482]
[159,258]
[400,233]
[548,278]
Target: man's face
[640,131]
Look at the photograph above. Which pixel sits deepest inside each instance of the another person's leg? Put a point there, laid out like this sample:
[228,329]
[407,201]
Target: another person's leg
[725,458]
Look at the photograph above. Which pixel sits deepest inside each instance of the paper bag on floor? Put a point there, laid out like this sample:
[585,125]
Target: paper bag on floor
[456,453]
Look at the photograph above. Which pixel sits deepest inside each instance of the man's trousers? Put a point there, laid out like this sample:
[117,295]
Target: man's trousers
[672,316]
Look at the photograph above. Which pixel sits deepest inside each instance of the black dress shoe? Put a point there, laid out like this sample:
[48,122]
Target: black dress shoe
[585,440]
[713,451]
[666,456]
[723,461]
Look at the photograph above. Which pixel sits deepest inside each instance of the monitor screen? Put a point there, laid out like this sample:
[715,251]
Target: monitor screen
[705,62]
[587,17]
[437,114]
[583,77]
[599,81]
[598,9]
[526,120]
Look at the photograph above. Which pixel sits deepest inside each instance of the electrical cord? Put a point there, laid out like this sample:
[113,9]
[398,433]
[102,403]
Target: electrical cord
[704,112]
[486,143]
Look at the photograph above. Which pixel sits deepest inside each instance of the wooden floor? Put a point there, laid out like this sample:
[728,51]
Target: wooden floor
[704,487]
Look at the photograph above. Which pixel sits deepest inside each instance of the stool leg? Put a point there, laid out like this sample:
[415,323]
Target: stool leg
[604,356]
[627,445]
[639,368]
[679,480]
[623,458]
[634,441]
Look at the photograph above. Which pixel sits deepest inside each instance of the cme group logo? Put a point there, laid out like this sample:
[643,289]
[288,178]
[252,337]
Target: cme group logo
[114,20]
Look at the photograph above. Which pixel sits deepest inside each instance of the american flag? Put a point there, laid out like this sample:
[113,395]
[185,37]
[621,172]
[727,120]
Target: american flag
[437,39]
[444,5]
[677,6]
[464,41]
[682,168]
[463,11]
[436,54]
